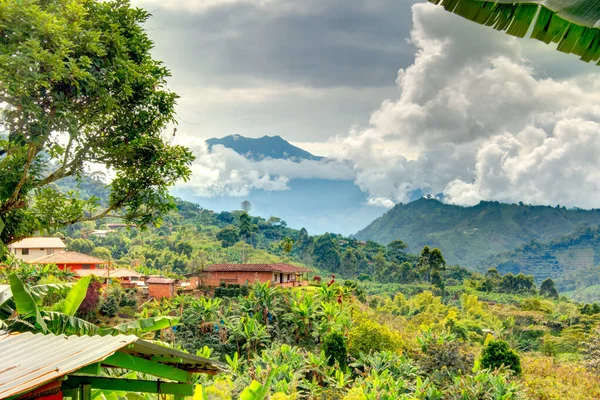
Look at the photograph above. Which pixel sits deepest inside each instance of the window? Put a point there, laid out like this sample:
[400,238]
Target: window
[25,252]
[86,266]
[50,251]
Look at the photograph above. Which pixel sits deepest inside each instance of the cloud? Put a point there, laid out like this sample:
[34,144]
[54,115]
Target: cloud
[473,120]
[222,171]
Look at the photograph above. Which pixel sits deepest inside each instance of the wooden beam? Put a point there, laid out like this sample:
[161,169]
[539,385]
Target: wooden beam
[127,361]
[130,385]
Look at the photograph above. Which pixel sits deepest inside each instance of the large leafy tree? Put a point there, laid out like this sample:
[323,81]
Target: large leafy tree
[573,24]
[78,86]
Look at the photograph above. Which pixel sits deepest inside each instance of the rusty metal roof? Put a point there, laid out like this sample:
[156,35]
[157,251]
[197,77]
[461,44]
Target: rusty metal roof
[28,360]
[160,280]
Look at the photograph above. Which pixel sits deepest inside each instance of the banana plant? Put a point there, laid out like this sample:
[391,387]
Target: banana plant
[23,312]
[572,24]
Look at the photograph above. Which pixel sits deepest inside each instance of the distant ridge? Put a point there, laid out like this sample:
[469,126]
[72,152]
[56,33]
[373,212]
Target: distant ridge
[257,149]
[470,235]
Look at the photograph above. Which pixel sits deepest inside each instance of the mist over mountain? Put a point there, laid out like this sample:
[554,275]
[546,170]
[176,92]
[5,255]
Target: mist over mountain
[319,205]
[469,236]
[257,149]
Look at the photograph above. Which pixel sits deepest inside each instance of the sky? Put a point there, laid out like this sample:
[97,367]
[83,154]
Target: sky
[399,95]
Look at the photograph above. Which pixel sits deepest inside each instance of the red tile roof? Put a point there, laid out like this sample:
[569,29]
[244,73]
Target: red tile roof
[68,257]
[284,268]
[114,273]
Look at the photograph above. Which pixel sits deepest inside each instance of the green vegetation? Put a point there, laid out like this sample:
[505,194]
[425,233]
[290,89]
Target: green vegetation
[574,26]
[79,86]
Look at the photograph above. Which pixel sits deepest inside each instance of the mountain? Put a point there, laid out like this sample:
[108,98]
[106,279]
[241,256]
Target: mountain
[572,259]
[319,205]
[264,147]
[470,235]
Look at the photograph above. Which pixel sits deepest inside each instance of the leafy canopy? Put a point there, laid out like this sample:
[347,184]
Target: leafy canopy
[78,85]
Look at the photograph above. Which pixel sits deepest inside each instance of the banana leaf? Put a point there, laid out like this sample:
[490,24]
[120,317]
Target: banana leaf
[25,303]
[40,291]
[572,24]
[142,325]
[62,324]
[76,296]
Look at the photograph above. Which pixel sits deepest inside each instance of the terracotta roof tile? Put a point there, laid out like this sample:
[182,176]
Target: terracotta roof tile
[114,273]
[285,268]
[68,257]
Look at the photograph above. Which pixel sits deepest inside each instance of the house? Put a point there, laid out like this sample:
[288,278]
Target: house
[71,260]
[159,287]
[51,367]
[101,232]
[5,293]
[279,274]
[126,276]
[36,247]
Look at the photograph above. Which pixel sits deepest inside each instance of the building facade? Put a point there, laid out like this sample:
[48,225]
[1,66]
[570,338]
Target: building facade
[32,248]
[246,274]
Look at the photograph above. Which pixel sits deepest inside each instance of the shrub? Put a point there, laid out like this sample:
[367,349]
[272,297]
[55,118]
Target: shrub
[109,306]
[92,299]
[497,353]
[367,336]
[335,348]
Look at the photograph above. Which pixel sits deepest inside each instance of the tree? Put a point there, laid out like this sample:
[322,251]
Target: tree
[431,260]
[84,246]
[397,246]
[228,236]
[287,245]
[246,226]
[80,86]
[498,353]
[570,21]
[336,349]
[246,206]
[327,253]
[548,289]
[349,263]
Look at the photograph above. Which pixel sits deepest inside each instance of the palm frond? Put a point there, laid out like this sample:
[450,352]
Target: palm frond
[573,24]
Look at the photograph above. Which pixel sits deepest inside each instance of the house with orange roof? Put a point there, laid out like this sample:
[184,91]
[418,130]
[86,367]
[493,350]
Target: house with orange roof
[278,274]
[71,260]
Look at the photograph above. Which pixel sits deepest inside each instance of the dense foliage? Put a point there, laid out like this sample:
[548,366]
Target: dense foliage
[79,86]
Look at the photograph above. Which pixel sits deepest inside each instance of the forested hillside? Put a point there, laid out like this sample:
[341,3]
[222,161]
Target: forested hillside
[470,235]
[571,260]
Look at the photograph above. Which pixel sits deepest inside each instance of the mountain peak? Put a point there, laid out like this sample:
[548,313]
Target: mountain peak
[257,149]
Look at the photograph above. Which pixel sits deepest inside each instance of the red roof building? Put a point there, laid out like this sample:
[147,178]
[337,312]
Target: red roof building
[159,287]
[279,274]
[71,260]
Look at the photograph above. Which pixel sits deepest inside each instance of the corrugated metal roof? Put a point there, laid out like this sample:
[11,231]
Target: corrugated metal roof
[39,243]
[286,268]
[68,257]
[28,361]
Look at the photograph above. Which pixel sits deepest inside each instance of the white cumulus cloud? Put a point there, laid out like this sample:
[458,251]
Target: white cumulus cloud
[473,120]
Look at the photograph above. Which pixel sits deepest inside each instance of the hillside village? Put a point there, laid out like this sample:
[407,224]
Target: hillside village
[142,260]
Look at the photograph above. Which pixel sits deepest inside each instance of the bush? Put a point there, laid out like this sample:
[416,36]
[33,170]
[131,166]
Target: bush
[335,348]
[109,306]
[497,353]
[367,336]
